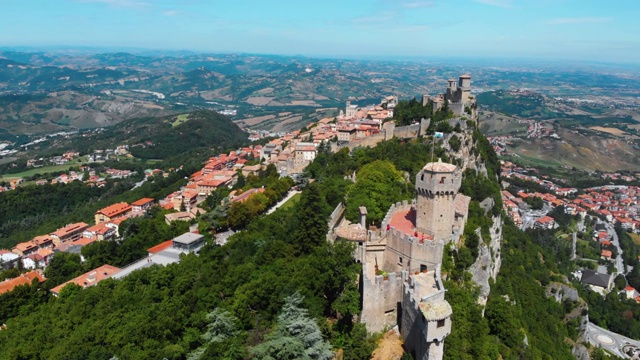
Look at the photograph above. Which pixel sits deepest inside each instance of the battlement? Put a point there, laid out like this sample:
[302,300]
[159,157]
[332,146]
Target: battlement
[395,208]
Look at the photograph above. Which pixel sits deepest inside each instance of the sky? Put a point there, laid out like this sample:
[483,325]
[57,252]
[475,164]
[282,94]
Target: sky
[585,30]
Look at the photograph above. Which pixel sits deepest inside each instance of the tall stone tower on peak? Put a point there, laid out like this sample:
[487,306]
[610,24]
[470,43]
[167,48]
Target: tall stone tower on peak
[437,185]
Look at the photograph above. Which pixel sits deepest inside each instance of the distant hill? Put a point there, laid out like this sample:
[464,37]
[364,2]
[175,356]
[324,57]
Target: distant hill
[588,136]
[163,137]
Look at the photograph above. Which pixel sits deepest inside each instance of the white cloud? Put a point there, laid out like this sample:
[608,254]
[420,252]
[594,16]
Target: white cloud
[170,12]
[498,3]
[415,4]
[580,20]
[120,3]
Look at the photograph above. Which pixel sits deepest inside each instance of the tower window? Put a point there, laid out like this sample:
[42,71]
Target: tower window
[441,323]
[400,260]
[442,180]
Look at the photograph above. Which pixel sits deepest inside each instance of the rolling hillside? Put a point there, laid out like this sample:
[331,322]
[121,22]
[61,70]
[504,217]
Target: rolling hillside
[163,137]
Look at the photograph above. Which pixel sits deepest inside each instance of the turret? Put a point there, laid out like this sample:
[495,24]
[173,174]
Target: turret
[437,185]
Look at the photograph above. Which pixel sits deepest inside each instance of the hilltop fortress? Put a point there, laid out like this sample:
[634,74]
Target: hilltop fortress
[458,97]
[401,283]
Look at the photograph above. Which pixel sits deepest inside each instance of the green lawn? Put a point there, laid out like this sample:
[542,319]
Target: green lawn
[40,170]
[532,161]
[180,119]
[291,202]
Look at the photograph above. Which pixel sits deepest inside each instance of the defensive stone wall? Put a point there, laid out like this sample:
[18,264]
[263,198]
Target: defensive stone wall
[422,338]
[380,299]
[334,219]
[417,253]
[399,206]
[413,130]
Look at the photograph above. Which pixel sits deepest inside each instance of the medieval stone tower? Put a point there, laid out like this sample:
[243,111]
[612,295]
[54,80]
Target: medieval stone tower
[437,185]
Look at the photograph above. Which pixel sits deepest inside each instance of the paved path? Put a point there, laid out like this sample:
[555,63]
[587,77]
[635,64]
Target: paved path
[291,194]
[615,241]
[575,248]
[615,343]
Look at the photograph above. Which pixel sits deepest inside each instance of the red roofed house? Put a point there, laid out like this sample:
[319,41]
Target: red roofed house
[188,198]
[206,187]
[88,279]
[141,206]
[606,254]
[70,232]
[630,292]
[245,195]
[100,232]
[24,279]
[113,212]
[545,222]
[29,247]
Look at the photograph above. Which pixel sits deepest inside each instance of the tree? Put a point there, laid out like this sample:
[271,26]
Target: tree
[64,266]
[239,215]
[378,185]
[296,336]
[311,220]
[241,182]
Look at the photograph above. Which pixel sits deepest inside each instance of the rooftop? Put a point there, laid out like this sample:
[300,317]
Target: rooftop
[405,222]
[142,202]
[188,238]
[353,232]
[69,229]
[90,278]
[438,310]
[24,279]
[440,167]
[115,209]
[164,245]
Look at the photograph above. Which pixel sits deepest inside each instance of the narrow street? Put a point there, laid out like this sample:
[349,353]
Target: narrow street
[615,241]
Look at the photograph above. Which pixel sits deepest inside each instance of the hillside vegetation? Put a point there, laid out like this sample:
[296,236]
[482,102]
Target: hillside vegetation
[158,138]
[238,301]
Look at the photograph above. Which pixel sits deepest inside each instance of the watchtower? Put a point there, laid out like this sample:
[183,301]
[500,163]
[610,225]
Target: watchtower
[437,185]
[464,85]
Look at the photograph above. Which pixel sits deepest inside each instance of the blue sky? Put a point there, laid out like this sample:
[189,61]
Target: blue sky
[590,30]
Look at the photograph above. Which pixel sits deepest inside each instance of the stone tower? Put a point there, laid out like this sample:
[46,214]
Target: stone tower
[464,85]
[437,185]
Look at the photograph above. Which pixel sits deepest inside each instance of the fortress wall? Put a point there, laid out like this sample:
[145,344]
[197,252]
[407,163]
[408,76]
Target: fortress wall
[414,251]
[380,300]
[399,206]
[406,132]
[334,219]
[415,329]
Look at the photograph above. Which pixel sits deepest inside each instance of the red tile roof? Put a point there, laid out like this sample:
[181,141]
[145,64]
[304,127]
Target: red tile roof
[115,209]
[23,279]
[142,202]
[90,278]
[70,229]
[160,247]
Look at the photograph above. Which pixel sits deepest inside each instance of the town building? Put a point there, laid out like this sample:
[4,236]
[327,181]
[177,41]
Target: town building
[140,207]
[112,212]
[70,232]
[165,255]
[88,279]
[23,279]
[598,282]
